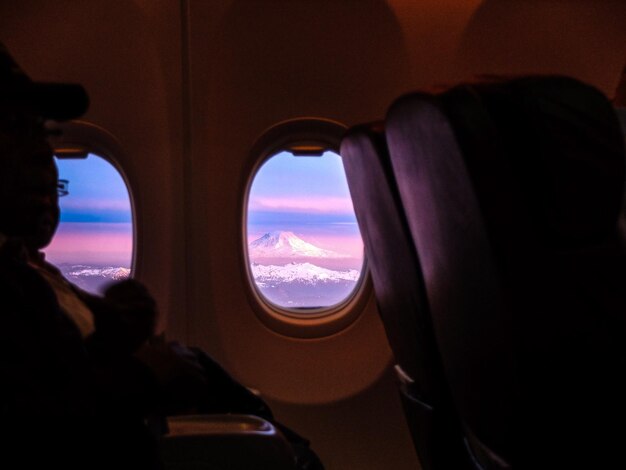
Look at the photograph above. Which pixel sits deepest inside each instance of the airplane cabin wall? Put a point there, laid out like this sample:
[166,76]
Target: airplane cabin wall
[584,39]
[253,65]
[187,87]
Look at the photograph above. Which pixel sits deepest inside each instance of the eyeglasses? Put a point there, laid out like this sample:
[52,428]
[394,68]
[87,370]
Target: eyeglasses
[63,187]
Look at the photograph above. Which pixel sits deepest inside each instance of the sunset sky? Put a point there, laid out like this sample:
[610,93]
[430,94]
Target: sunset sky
[96,219]
[308,196]
[305,195]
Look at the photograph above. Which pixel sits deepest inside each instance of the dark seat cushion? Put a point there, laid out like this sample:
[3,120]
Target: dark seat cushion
[512,190]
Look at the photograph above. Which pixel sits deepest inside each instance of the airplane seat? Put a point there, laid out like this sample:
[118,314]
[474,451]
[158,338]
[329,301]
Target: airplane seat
[512,192]
[566,157]
[399,289]
[213,442]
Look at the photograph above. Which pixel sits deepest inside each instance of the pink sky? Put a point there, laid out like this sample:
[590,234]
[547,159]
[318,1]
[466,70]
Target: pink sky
[98,243]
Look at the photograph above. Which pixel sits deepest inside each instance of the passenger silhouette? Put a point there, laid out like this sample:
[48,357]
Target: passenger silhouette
[83,374]
[72,392]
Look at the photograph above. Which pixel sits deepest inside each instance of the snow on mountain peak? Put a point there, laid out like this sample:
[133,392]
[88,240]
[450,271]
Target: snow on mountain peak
[114,273]
[283,244]
[300,272]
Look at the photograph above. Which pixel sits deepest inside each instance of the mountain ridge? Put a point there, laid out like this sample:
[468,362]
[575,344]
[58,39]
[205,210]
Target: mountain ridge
[286,244]
[301,272]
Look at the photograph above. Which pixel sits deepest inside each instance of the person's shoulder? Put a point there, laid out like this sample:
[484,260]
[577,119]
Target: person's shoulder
[14,270]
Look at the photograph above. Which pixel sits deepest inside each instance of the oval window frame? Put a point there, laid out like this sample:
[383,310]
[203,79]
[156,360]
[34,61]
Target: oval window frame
[308,134]
[82,138]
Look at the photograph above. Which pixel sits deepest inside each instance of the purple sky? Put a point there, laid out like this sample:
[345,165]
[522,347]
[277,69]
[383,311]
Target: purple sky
[308,196]
[96,218]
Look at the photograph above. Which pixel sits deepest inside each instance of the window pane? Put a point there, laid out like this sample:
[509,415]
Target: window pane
[304,245]
[93,245]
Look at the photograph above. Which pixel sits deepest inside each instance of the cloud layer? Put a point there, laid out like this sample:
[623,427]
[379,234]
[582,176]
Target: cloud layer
[317,205]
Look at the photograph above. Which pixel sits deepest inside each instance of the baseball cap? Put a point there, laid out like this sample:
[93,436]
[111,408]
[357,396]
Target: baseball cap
[59,101]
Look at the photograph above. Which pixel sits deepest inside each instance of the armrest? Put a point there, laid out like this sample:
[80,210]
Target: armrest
[236,442]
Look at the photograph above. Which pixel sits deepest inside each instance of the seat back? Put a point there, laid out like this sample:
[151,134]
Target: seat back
[399,289]
[512,193]
[459,270]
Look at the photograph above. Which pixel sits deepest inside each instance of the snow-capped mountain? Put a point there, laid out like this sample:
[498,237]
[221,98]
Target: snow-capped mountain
[93,278]
[304,285]
[287,245]
[300,272]
[116,274]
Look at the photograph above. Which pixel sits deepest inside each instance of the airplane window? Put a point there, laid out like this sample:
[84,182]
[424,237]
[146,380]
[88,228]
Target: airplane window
[93,245]
[304,247]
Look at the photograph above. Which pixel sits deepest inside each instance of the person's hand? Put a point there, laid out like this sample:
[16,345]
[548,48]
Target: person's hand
[183,379]
[136,309]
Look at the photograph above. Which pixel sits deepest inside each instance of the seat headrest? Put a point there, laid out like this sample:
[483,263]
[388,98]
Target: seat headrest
[567,152]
